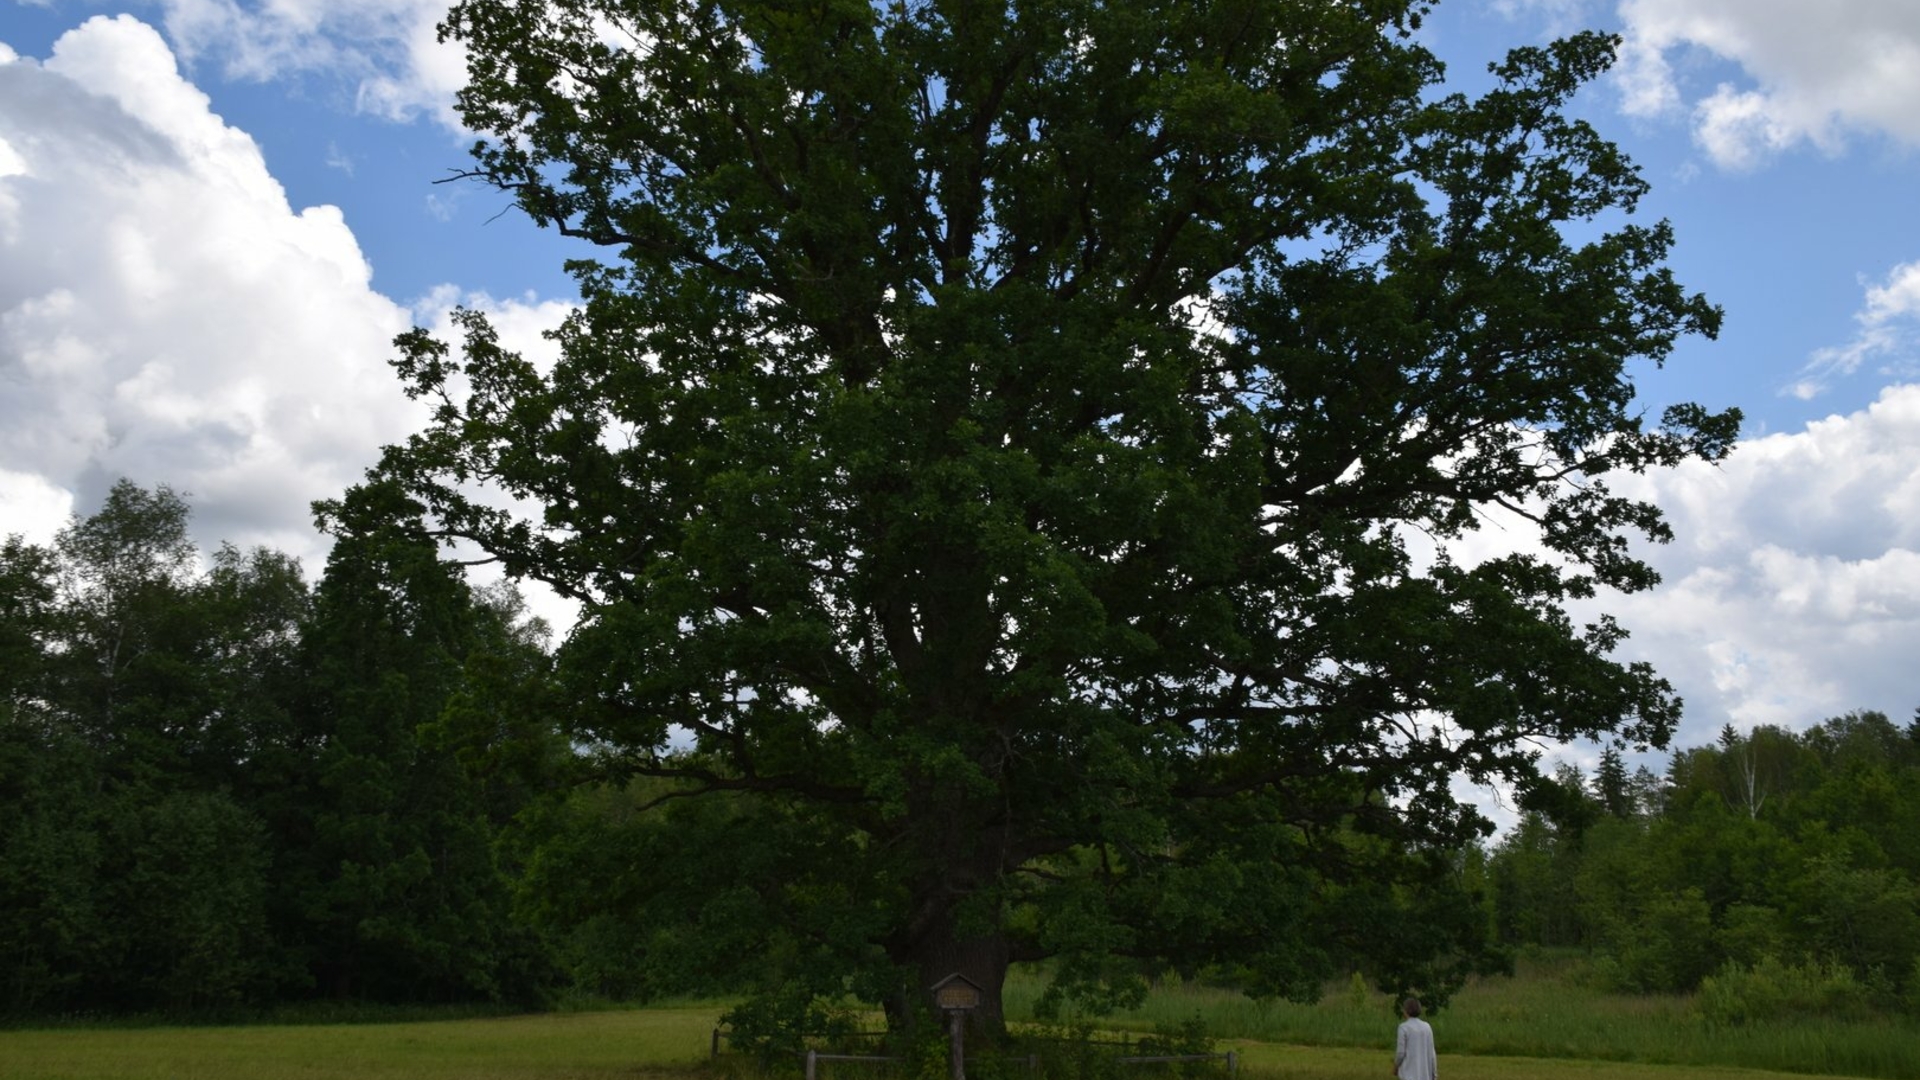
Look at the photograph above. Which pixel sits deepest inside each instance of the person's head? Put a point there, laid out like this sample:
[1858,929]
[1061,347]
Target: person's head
[1410,1008]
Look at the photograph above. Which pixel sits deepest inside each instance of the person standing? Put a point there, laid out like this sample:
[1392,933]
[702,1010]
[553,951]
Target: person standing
[1413,1055]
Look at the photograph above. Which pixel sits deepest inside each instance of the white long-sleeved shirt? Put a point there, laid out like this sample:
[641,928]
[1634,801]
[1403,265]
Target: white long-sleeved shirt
[1413,1056]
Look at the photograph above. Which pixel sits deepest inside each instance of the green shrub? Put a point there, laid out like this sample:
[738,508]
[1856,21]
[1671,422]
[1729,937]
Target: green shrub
[1188,1037]
[1359,994]
[1773,989]
[1749,932]
[779,1021]
[1070,1050]
[1667,948]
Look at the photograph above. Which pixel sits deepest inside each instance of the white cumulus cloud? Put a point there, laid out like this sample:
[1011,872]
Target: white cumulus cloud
[386,51]
[1810,73]
[1792,591]
[1889,332]
[165,314]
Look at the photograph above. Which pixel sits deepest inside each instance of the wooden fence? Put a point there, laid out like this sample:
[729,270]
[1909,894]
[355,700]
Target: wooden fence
[813,1058]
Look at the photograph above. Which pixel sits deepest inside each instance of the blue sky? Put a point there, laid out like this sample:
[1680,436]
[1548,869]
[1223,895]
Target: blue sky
[215,214]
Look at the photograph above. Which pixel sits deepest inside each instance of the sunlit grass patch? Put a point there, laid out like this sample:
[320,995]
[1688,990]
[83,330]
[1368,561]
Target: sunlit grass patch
[629,1044]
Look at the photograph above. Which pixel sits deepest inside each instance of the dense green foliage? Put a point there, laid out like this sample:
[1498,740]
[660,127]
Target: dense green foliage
[1779,872]
[216,788]
[221,788]
[997,458]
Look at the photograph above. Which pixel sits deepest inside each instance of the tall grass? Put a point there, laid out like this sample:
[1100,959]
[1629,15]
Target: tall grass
[1544,1011]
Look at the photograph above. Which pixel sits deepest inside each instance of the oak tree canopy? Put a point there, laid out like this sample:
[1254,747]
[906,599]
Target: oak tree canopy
[1007,455]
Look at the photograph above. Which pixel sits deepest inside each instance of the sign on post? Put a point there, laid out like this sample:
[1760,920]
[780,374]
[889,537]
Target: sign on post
[956,995]
[956,991]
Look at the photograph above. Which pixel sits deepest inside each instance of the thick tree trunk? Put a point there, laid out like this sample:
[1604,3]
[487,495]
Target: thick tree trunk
[980,960]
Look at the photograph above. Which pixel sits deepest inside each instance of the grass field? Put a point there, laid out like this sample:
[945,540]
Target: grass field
[1544,1012]
[1269,1061]
[644,1043]
[1541,1024]
[647,1044]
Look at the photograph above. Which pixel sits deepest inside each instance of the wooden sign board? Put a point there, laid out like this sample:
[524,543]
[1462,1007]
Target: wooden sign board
[956,991]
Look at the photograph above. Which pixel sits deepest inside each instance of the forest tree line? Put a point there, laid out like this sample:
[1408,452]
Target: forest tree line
[1796,852]
[224,787]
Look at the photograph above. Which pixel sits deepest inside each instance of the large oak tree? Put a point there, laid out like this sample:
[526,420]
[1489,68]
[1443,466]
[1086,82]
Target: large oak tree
[1008,452]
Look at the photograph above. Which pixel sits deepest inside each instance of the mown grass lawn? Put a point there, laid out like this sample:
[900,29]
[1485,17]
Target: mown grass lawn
[1272,1061]
[629,1044]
